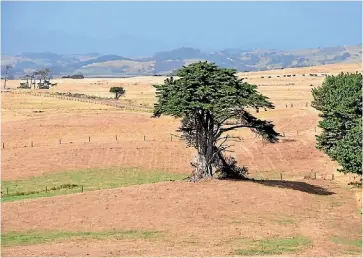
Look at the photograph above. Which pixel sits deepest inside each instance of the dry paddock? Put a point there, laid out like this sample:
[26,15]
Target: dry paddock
[206,218]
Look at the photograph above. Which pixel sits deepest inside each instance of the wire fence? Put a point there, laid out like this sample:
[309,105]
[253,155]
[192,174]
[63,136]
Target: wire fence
[13,192]
[64,188]
[117,104]
[169,155]
[137,137]
[96,100]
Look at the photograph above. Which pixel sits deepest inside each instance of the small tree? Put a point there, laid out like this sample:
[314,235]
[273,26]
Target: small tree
[339,100]
[33,77]
[7,68]
[119,91]
[26,77]
[47,73]
[43,76]
[25,85]
[212,101]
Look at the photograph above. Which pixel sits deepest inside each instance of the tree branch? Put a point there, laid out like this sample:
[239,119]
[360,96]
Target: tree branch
[223,130]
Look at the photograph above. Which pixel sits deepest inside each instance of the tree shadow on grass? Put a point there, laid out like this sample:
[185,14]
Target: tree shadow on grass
[293,185]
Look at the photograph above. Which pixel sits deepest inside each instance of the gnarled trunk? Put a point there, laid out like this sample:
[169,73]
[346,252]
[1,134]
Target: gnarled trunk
[204,163]
[202,168]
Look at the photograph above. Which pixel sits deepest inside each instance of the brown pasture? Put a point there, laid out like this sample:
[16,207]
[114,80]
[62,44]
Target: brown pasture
[204,218]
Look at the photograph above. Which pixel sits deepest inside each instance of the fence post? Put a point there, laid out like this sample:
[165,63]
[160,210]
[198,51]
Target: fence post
[82,188]
[3,145]
[60,141]
[144,138]
[171,138]
[46,189]
[280,176]
[292,105]
[332,176]
[116,137]
[286,105]
[32,144]
[89,138]
[315,175]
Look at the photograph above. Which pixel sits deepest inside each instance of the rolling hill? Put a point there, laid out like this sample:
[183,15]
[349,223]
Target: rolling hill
[97,65]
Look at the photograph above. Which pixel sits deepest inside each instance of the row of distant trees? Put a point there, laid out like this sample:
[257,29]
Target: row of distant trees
[42,75]
[73,76]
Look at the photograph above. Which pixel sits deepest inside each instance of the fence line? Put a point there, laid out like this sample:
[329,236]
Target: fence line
[178,161]
[119,138]
[46,189]
[170,157]
[87,100]
[166,156]
[306,104]
[74,188]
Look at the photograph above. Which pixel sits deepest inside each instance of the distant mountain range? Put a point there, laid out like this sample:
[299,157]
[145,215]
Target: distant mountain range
[96,65]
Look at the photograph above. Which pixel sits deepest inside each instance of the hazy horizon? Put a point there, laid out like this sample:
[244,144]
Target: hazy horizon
[143,28]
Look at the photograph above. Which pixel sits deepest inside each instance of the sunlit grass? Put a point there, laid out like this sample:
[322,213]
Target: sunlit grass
[275,246]
[32,238]
[87,179]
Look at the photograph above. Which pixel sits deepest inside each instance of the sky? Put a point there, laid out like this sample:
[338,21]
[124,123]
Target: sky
[142,28]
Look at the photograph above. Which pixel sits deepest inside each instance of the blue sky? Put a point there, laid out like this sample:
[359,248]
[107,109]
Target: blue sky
[166,25]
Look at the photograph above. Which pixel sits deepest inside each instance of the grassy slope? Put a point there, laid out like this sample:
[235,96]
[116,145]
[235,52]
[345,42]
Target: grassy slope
[274,246]
[72,182]
[31,238]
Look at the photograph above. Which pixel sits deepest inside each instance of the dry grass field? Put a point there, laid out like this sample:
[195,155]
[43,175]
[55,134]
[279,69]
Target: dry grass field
[112,178]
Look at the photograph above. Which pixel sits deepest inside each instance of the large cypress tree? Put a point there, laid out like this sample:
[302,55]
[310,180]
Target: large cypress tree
[212,101]
[339,100]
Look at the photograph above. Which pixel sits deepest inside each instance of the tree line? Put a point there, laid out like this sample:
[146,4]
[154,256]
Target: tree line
[44,80]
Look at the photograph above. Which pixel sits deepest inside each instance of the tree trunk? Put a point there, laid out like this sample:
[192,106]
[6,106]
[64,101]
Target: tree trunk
[205,143]
[201,168]
[6,77]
